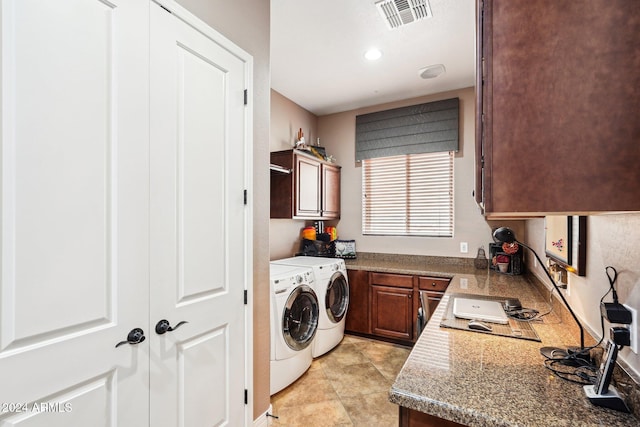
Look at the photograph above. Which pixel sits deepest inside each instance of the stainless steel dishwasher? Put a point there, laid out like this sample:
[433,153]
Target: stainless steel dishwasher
[423,312]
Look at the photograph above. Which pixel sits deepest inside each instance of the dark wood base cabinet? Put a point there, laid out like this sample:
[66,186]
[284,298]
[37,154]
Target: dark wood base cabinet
[385,305]
[391,312]
[411,418]
[357,319]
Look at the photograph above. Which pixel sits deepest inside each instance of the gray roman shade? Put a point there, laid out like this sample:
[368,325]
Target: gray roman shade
[424,128]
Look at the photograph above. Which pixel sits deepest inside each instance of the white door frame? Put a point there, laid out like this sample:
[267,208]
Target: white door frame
[182,13]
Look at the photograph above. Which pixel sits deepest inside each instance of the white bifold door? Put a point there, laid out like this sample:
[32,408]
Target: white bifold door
[123,222]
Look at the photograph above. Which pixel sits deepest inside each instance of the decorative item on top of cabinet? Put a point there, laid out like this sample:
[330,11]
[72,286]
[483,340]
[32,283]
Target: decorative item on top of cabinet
[562,139]
[310,191]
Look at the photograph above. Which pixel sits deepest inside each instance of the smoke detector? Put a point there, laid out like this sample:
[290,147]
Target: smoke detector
[432,71]
[397,13]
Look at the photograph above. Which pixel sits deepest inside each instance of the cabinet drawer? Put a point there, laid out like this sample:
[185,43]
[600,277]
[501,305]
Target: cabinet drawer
[433,283]
[396,280]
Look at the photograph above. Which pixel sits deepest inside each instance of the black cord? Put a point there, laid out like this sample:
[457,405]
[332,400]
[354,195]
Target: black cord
[612,281]
[524,314]
[585,374]
[574,357]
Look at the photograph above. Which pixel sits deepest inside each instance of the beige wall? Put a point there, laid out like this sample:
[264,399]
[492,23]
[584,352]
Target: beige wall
[286,118]
[337,133]
[611,240]
[247,24]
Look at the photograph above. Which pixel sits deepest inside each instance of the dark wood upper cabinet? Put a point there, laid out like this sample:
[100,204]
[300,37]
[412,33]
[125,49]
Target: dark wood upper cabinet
[330,191]
[311,189]
[558,98]
[306,194]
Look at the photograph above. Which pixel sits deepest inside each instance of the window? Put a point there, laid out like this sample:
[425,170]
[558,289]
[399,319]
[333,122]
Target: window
[408,195]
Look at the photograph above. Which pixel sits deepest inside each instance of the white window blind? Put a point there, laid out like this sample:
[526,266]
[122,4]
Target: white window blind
[408,195]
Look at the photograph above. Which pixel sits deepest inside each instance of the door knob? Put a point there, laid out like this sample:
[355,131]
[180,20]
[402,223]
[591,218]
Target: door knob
[164,326]
[136,336]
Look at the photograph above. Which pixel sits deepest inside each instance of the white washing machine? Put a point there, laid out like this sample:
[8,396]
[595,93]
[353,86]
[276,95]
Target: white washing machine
[294,323]
[332,287]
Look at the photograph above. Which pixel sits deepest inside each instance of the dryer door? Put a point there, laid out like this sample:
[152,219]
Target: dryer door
[300,318]
[337,297]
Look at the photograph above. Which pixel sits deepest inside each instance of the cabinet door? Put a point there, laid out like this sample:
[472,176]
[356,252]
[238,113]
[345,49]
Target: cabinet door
[392,312]
[307,190]
[562,138]
[330,191]
[357,319]
[412,418]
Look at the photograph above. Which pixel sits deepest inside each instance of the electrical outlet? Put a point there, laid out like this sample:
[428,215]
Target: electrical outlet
[464,247]
[463,283]
[633,329]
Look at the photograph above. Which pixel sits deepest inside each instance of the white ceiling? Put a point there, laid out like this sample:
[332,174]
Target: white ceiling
[317,49]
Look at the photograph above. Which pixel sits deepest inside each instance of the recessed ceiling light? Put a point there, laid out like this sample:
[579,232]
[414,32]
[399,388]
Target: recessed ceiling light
[373,54]
[431,71]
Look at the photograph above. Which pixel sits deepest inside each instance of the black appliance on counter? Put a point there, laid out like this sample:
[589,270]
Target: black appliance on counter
[516,265]
[318,248]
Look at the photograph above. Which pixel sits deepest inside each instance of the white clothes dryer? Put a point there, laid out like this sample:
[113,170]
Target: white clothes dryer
[294,323]
[332,288]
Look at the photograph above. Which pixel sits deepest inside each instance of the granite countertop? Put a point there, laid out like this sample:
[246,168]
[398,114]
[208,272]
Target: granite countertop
[479,379]
[412,264]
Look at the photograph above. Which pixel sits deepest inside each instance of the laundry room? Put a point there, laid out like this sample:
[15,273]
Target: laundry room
[394,352]
[283,213]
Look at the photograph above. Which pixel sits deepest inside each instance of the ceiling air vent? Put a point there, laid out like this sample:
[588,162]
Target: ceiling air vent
[397,13]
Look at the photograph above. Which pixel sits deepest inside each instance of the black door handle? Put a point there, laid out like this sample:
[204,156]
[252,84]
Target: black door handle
[136,336]
[164,326]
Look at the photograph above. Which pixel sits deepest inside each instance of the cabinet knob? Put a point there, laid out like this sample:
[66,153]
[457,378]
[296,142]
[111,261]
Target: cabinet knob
[433,284]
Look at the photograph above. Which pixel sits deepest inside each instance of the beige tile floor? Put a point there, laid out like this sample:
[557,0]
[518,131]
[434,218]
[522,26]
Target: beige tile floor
[349,386]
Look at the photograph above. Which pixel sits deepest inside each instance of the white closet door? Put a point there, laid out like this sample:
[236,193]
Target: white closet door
[197,227]
[74,186]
